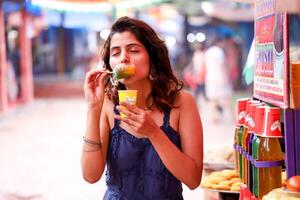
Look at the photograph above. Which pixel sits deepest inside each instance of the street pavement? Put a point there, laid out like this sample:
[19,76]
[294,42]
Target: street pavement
[40,148]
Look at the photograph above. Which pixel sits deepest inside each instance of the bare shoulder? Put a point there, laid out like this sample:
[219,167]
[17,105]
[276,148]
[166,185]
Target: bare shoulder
[184,99]
[187,108]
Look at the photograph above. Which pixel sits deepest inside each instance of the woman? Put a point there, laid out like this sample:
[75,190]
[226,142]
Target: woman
[159,144]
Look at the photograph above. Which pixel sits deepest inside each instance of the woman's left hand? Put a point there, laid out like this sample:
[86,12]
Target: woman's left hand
[137,119]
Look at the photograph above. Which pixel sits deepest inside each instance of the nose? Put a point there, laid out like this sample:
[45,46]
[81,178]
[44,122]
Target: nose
[125,57]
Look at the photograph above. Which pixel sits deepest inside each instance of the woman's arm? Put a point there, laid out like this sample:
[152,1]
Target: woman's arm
[93,158]
[186,165]
[97,128]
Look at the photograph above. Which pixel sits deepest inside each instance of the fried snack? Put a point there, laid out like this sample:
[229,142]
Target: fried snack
[222,180]
[236,188]
[236,179]
[229,173]
[237,184]
[227,183]
[213,186]
[222,187]
[217,179]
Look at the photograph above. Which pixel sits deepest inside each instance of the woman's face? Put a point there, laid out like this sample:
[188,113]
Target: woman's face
[126,49]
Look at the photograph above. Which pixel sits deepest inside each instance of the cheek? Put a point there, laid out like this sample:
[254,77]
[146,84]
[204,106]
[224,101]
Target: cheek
[144,70]
[146,65]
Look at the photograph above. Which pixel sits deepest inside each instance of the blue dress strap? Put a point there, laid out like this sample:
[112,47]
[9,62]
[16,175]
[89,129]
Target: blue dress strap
[167,117]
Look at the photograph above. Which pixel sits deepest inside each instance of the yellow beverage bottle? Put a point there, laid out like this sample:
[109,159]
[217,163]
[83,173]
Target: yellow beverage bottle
[269,154]
[259,123]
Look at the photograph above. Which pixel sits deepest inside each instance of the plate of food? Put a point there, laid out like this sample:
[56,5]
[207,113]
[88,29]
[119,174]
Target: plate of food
[226,181]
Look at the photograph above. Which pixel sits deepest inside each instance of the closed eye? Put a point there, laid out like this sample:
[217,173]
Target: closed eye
[115,52]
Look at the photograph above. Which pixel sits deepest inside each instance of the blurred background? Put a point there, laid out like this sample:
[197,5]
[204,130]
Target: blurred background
[47,46]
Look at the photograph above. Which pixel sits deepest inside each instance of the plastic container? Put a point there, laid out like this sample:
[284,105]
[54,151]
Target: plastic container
[269,159]
[249,141]
[246,135]
[241,116]
[259,121]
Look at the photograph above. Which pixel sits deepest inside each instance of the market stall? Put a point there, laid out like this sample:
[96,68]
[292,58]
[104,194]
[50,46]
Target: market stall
[267,134]
[261,158]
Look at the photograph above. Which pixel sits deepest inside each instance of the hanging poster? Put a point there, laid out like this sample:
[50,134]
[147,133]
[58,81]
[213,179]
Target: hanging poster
[271,65]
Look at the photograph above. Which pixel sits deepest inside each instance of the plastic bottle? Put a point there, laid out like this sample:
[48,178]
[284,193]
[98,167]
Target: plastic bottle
[248,142]
[241,116]
[244,142]
[259,122]
[269,153]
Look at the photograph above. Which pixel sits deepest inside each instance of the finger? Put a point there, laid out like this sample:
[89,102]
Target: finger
[101,78]
[128,113]
[132,108]
[91,76]
[94,76]
[126,120]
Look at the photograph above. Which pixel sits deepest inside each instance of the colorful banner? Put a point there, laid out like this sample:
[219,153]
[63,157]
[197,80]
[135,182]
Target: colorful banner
[271,65]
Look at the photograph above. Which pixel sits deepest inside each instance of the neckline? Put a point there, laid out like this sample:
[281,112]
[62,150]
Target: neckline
[172,134]
[164,127]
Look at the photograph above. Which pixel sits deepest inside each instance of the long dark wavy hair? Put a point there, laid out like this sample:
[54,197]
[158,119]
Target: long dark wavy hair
[165,86]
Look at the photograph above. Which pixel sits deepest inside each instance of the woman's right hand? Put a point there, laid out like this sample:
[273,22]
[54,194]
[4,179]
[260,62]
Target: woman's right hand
[94,87]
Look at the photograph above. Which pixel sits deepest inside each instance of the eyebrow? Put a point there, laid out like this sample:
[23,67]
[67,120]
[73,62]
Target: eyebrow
[128,45]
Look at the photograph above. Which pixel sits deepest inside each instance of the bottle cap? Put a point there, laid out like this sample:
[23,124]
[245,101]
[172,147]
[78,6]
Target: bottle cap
[251,115]
[241,110]
[247,110]
[272,125]
[259,118]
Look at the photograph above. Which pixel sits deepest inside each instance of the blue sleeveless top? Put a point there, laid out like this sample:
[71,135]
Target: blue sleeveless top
[134,169]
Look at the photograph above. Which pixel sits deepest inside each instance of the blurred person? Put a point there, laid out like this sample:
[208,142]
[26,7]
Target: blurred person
[159,144]
[11,82]
[194,74]
[218,86]
[233,56]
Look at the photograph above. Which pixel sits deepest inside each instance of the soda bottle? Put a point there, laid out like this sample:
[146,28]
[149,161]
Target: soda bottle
[241,116]
[269,153]
[249,141]
[259,122]
[244,143]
